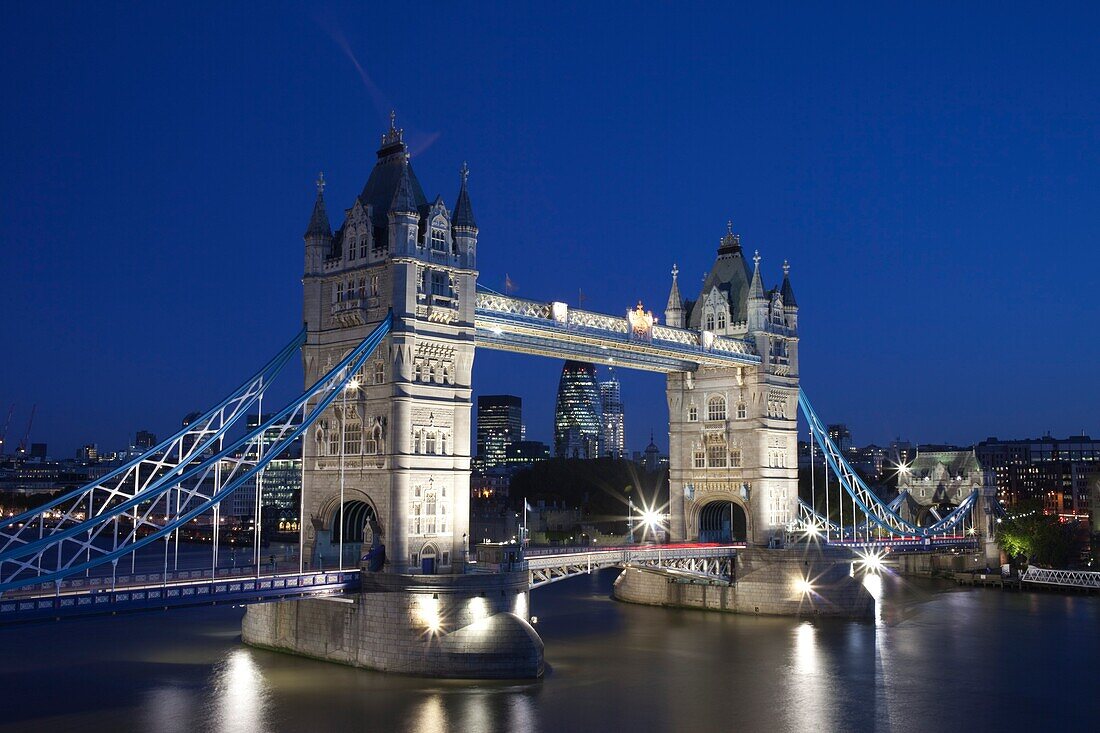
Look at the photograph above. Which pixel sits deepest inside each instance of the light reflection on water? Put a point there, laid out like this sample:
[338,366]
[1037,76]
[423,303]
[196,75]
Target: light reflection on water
[611,666]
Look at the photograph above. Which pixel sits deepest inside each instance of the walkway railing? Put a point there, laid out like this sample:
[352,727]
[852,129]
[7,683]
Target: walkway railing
[1087,579]
[715,562]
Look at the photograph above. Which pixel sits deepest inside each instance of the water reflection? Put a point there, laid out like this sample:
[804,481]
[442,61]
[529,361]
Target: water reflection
[168,710]
[240,695]
[430,715]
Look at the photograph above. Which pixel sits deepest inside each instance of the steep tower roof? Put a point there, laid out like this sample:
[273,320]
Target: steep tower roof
[404,200]
[318,221]
[730,274]
[389,171]
[464,210]
[787,292]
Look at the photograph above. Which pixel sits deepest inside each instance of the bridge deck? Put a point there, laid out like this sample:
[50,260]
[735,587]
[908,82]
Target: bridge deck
[137,596]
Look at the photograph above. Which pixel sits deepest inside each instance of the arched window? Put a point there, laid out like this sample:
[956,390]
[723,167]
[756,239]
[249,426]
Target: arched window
[431,372]
[379,372]
[429,512]
[363,245]
[416,527]
[362,285]
[710,322]
[353,438]
[439,240]
[429,443]
[443,443]
[334,442]
[374,286]
[742,411]
[716,455]
[699,459]
[693,413]
[418,370]
[721,319]
[716,408]
[417,436]
[735,458]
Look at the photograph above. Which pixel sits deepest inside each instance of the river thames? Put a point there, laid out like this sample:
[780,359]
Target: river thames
[938,658]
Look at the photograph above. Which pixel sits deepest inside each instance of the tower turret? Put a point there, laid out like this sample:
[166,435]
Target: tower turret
[463,224]
[790,305]
[404,218]
[674,310]
[757,301]
[318,235]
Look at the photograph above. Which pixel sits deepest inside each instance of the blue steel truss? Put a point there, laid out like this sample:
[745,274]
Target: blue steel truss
[103,537]
[882,514]
[151,467]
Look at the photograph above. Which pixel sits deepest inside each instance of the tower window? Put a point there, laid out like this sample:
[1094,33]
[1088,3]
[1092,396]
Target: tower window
[710,322]
[700,459]
[716,455]
[716,408]
[363,245]
[379,372]
[742,411]
[374,286]
[721,319]
[693,413]
[439,240]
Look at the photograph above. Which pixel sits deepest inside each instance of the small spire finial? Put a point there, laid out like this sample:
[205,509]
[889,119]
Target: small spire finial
[756,258]
[675,271]
[393,119]
[464,171]
[320,183]
[729,226]
[786,268]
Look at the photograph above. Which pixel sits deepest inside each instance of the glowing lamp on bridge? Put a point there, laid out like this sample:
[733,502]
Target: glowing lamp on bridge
[651,519]
[871,561]
[803,586]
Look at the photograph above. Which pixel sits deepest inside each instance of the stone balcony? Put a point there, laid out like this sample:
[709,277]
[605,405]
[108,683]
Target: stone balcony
[352,312]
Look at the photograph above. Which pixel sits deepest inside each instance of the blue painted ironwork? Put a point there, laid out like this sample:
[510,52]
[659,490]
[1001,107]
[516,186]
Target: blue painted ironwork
[56,556]
[874,509]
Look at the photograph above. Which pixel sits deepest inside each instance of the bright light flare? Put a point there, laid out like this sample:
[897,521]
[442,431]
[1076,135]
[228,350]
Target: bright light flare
[803,586]
[651,518]
[428,610]
[871,561]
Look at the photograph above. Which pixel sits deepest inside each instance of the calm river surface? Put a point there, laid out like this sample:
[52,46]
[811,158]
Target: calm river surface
[939,658]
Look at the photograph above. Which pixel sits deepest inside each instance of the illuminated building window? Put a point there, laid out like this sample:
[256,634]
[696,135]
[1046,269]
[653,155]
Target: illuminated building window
[716,408]
[374,286]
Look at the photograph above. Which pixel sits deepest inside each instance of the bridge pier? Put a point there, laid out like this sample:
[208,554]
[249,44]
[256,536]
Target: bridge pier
[797,581]
[462,626]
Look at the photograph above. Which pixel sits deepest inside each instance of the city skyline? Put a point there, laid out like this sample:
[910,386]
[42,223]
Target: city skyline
[921,218]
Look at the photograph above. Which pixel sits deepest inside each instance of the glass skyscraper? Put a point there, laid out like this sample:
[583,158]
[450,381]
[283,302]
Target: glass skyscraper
[578,427]
[611,405]
[499,425]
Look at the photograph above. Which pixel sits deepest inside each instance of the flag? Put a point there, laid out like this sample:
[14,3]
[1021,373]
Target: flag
[527,507]
[509,286]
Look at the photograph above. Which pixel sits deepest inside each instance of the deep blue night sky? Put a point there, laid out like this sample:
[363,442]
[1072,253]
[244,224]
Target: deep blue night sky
[932,173]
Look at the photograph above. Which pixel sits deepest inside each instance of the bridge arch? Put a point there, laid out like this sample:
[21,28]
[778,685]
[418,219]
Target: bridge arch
[721,518]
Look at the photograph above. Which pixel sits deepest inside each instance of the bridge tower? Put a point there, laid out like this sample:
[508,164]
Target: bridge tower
[398,440]
[733,430]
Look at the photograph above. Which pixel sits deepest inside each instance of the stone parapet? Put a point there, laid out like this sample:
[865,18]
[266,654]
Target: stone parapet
[472,626]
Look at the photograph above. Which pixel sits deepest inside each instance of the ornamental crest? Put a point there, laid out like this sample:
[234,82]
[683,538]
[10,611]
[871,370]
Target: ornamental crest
[641,322]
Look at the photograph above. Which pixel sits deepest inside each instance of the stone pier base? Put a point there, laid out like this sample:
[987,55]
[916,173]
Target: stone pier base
[769,582]
[472,626]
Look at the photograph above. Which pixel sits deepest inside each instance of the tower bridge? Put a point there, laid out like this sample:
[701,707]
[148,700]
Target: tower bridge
[393,316]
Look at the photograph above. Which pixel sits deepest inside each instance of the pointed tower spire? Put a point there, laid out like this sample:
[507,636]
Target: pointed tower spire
[464,210]
[756,288]
[404,201]
[674,310]
[787,292]
[730,242]
[318,221]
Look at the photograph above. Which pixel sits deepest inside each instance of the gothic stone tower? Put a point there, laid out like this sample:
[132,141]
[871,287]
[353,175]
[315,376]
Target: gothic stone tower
[733,430]
[398,440]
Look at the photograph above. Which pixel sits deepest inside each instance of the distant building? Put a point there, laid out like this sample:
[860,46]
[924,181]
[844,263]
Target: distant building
[578,428]
[938,481]
[144,440]
[611,408]
[499,425]
[1054,471]
[841,436]
[88,453]
[38,451]
[523,453]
